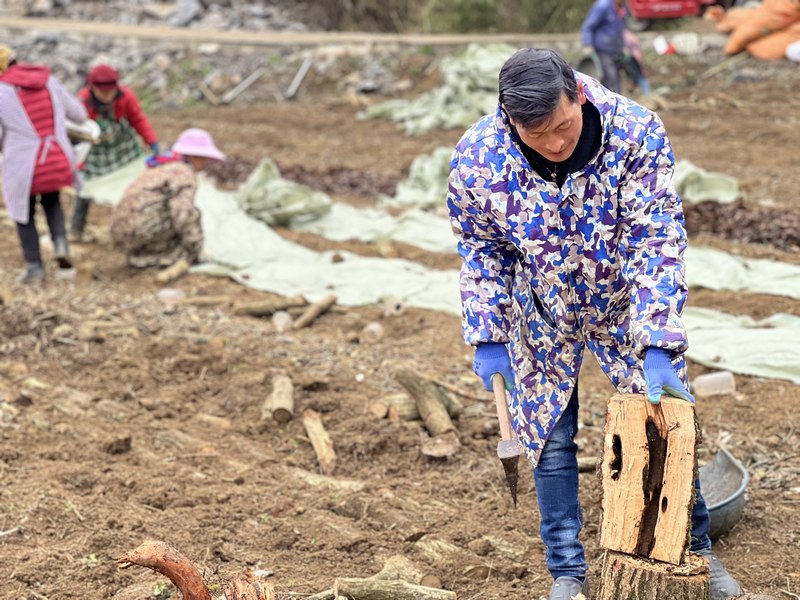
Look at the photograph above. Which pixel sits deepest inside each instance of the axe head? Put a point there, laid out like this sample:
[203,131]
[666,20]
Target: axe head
[509,452]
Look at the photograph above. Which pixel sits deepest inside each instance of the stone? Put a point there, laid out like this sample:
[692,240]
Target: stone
[186,11]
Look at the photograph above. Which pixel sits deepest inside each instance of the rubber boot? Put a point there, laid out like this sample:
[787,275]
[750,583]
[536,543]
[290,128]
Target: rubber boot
[61,251]
[566,588]
[33,273]
[80,214]
[722,583]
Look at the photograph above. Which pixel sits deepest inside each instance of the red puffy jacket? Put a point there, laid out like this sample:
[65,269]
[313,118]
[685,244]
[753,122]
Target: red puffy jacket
[53,170]
[126,106]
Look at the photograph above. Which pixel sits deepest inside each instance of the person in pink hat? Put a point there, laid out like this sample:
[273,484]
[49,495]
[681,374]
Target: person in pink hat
[156,223]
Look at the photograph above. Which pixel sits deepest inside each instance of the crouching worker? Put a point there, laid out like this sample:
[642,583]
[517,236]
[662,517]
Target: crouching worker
[156,223]
[37,156]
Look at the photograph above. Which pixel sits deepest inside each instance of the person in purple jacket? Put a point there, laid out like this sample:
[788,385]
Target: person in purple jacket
[603,30]
[572,239]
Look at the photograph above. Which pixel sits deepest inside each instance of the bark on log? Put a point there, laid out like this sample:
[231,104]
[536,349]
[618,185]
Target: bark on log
[430,400]
[648,470]
[265,308]
[313,311]
[246,587]
[173,272]
[376,589]
[320,441]
[629,578]
[280,404]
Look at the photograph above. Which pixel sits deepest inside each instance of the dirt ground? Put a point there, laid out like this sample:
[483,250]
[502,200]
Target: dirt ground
[156,431]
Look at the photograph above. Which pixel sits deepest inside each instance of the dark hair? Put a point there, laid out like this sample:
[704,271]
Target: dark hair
[531,85]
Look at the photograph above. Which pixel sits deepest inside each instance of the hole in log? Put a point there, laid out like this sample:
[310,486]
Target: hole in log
[652,482]
[664,503]
[616,457]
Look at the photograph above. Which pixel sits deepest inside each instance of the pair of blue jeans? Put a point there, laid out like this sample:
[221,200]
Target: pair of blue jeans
[556,478]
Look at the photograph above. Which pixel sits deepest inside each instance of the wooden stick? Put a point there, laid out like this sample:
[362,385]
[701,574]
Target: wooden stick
[430,401]
[206,300]
[265,308]
[315,310]
[173,272]
[376,589]
[281,401]
[320,441]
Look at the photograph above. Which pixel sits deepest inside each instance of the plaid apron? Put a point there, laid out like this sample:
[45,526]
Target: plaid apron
[119,145]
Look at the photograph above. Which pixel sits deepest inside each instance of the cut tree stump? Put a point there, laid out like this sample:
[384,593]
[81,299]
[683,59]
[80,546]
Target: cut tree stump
[280,404]
[648,471]
[629,578]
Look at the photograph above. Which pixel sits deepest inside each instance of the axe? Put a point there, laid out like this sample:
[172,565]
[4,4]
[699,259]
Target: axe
[508,450]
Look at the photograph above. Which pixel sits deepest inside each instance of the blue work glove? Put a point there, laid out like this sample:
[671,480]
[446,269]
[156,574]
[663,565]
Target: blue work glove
[661,376]
[493,358]
[155,148]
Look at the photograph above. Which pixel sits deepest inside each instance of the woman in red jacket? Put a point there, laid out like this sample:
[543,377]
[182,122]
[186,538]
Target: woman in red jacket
[122,122]
[37,155]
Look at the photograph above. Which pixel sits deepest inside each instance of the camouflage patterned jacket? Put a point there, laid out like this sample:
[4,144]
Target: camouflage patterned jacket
[596,263]
[156,223]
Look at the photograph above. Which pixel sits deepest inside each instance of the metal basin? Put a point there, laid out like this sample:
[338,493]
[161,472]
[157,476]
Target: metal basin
[723,482]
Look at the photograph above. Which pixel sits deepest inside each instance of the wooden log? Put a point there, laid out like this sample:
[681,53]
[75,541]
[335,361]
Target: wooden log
[629,578]
[429,399]
[265,308]
[173,272]
[648,471]
[376,589]
[280,404]
[404,404]
[315,310]
[320,441]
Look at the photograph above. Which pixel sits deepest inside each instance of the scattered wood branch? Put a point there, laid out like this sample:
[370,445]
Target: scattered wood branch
[320,441]
[315,310]
[266,308]
[376,589]
[173,272]
[430,400]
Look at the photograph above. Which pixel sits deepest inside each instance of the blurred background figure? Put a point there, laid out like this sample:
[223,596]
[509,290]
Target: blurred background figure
[38,160]
[122,122]
[156,223]
[603,31]
[633,62]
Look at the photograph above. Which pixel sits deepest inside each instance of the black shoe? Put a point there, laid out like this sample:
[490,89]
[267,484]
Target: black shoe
[61,249]
[33,273]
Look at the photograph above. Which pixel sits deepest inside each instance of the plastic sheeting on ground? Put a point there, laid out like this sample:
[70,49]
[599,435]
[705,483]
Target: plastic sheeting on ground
[717,270]
[766,348]
[469,91]
[694,184]
[414,226]
[426,184]
[248,251]
[277,201]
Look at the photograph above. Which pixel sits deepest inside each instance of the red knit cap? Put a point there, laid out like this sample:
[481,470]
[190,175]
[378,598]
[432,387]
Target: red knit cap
[103,76]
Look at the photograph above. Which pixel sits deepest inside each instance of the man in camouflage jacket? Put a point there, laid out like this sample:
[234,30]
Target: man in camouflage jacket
[572,237]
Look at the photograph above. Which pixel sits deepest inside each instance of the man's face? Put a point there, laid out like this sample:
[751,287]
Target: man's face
[105,93]
[556,138]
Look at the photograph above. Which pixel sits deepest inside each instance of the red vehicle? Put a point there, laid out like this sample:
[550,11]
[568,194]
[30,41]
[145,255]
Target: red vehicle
[642,12]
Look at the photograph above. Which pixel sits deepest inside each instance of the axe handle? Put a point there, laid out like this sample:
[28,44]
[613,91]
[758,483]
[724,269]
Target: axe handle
[501,401]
